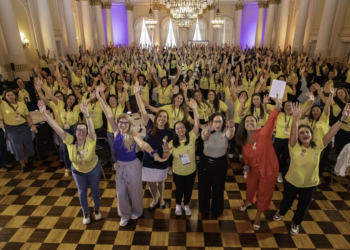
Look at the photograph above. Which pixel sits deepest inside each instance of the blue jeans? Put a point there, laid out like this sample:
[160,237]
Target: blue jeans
[67,161]
[3,149]
[61,148]
[89,180]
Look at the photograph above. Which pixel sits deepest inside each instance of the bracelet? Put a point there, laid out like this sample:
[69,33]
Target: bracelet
[344,122]
[153,153]
[86,116]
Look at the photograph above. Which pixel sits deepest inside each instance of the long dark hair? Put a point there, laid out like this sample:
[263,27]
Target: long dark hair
[153,129]
[75,102]
[176,139]
[312,142]
[211,118]
[311,118]
[59,92]
[4,98]
[187,76]
[252,106]
[242,133]
[216,103]
[203,99]
[183,106]
[246,75]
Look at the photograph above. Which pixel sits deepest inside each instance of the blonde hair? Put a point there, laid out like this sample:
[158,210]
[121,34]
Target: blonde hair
[128,141]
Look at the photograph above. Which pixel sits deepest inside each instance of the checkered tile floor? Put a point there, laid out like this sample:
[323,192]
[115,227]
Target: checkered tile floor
[40,210]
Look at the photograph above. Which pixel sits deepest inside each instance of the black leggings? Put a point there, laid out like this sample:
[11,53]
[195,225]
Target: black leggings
[211,183]
[282,152]
[325,153]
[184,185]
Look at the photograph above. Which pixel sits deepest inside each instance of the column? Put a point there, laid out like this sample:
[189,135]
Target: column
[130,16]
[107,6]
[183,36]
[87,27]
[70,27]
[300,26]
[283,24]
[99,23]
[156,9]
[271,6]
[337,45]
[46,27]
[308,26]
[81,39]
[324,34]
[13,41]
[259,26]
[239,9]
[211,9]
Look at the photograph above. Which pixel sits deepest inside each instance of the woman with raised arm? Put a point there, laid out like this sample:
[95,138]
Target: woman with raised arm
[157,132]
[128,171]
[18,125]
[86,167]
[182,148]
[302,178]
[260,160]
[212,169]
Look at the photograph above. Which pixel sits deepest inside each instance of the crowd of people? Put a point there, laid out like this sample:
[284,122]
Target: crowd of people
[211,100]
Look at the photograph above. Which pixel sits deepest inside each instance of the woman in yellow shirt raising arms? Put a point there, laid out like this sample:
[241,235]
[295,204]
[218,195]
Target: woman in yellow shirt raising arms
[302,177]
[86,166]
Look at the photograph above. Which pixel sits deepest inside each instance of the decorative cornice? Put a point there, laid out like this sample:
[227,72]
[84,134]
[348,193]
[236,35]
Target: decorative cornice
[107,5]
[272,2]
[279,1]
[96,2]
[211,7]
[262,4]
[156,6]
[129,7]
[239,6]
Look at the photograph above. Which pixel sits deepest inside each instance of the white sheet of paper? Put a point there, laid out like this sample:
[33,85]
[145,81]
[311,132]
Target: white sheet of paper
[277,87]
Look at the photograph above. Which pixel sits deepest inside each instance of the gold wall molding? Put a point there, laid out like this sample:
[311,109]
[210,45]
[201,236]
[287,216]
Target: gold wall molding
[239,6]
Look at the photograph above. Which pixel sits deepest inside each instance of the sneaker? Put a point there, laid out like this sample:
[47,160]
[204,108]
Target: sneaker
[86,218]
[280,178]
[187,210]
[98,215]
[294,229]
[170,171]
[240,156]
[277,217]
[133,217]
[123,222]
[67,173]
[245,174]
[230,156]
[178,211]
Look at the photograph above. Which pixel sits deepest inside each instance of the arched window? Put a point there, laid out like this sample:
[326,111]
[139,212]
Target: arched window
[141,33]
[170,41]
[225,34]
[167,32]
[145,40]
[202,27]
[197,33]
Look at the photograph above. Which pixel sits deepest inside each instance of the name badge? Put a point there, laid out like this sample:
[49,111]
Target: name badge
[315,154]
[18,118]
[185,159]
[129,92]
[26,100]
[66,126]
[286,132]
[174,120]
[81,85]
[93,114]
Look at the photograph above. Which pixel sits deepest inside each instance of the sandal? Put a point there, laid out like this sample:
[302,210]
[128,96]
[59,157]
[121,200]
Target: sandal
[242,209]
[256,227]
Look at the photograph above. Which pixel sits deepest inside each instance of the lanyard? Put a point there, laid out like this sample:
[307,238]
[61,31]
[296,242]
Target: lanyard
[163,90]
[285,120]
[93,107]
[177,113]
[257,115]
[24,93]
[15,109]
[114,112]
[211,109]
[65,115]
[81,151]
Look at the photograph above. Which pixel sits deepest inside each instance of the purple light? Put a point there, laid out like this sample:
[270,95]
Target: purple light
[263,28]
[249,23]
[120,24]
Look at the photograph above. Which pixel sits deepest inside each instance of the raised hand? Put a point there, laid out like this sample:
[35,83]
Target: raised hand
[210,126]
[296,110]
[93,95]
[42,107]
[346,112]
[193,104]
[84,108]
[230,124]
[137,88]
[278,101]
[166,148]
[266,99]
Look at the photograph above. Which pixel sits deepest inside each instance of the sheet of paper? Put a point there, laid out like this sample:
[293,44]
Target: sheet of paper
[277,87]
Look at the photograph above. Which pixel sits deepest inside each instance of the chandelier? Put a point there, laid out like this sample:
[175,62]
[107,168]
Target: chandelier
[217,23]
[186,5]
[150,23]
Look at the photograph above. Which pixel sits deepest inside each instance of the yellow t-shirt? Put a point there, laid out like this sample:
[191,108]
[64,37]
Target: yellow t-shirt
[321,127]
[256,114]
[228,93]
[116,113]
[23,96]
[161,71]
[164,94]
[57,113]
[204,83]
[222,108]
[43,64]
[190,149]
[95,112]
[65,93]
[303,169]
[52,88]
[236,118]
[212,86]
[283,125]
[69,117]
[112,92]
[9,115]
[274,76]
[144,92]
[130,90]
[203,111]
[249,85]
[90,157]
[335,109]
[174,114]
[80,81]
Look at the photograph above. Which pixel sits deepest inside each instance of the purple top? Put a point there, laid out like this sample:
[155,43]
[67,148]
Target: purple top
[121,151]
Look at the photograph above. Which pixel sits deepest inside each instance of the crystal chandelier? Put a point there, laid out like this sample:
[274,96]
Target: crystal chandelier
[187,5]
[217,23]
[150,23]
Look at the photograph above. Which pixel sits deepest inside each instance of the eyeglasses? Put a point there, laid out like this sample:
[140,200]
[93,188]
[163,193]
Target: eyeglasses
[82,130]
[217,122]
[180,128]
[71,99]
[123,123]
[287,106]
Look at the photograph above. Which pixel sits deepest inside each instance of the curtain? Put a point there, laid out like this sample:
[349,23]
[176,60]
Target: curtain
[164,30]
[202,28]
[191,31]
[149,32]
[138,29]
[176,31]
[225,34]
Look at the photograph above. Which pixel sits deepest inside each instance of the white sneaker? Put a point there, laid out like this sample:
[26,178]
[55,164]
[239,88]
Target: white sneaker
[245,174]
[86,218]
[240,156]
[133,217]
[230,156]
[178,211]
[294,230]
[98,215]
[123,222]
[187,210]
[277,217]
[280,178]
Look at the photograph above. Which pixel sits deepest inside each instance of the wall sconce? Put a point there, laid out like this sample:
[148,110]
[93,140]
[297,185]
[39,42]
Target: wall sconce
[25,41]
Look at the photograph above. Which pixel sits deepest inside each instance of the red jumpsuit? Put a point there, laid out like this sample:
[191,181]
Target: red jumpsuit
[262,160]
